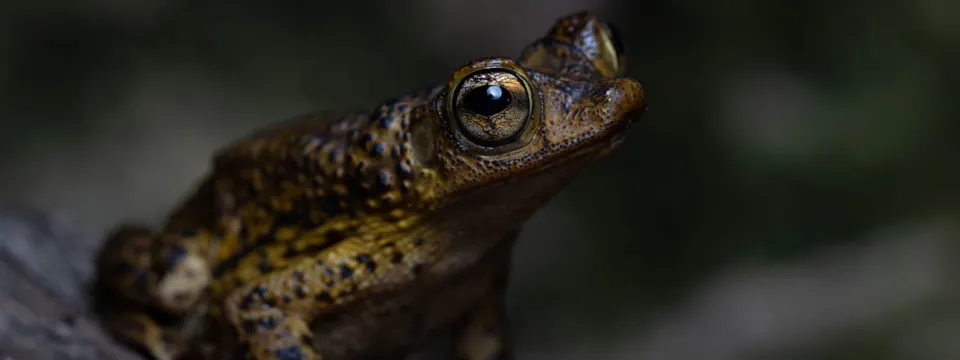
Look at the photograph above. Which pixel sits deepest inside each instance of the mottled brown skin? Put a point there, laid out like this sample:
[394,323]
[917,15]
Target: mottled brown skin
[359,235]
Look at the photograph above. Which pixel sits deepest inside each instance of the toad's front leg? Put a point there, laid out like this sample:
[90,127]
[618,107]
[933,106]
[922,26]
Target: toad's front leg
[167,271]
[484,334]
[139,270]
[272,314]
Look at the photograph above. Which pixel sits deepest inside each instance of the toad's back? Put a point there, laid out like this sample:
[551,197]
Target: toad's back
[359,235]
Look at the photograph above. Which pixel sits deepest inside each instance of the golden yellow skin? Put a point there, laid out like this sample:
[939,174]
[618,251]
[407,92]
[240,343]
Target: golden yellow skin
[358,235]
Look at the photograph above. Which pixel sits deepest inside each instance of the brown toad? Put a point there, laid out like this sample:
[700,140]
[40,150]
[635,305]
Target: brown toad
[358,235]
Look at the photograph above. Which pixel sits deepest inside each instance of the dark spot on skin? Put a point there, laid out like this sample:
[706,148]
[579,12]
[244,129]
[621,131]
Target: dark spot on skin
[366,260]
[378,149]
[365,138]
[249,326]
[290,353]
[396,257]
[404,171]
[174,254]
[384,180]
[297,216]
[345,271]
[260,290]
[233,261]
[386,122]
[307,338]
[324,297]
[257,293]
[362,167]
[335,155]
[268,323]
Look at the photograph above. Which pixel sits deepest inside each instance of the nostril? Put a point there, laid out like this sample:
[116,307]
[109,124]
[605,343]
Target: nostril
[626,92]
[622,100]
[603,95]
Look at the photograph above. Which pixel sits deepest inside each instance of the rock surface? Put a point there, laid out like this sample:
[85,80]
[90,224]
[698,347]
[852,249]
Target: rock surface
[44,266]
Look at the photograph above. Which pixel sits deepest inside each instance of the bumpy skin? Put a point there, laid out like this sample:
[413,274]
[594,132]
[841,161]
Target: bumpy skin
[358,235]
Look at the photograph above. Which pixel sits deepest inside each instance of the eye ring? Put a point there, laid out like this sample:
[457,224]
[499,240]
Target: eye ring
[492,106]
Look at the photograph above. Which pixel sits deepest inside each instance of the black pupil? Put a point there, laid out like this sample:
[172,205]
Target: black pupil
[487,100]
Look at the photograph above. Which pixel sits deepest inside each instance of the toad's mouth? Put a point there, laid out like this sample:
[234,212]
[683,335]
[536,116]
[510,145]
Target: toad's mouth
[597,148]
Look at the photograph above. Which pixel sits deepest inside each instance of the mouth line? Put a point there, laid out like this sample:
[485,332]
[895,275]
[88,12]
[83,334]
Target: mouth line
[598,148]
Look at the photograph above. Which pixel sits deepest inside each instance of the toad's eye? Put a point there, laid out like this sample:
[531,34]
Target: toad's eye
[492,107]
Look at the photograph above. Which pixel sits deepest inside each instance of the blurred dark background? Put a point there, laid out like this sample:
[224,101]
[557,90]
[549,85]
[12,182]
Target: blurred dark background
[791,193]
